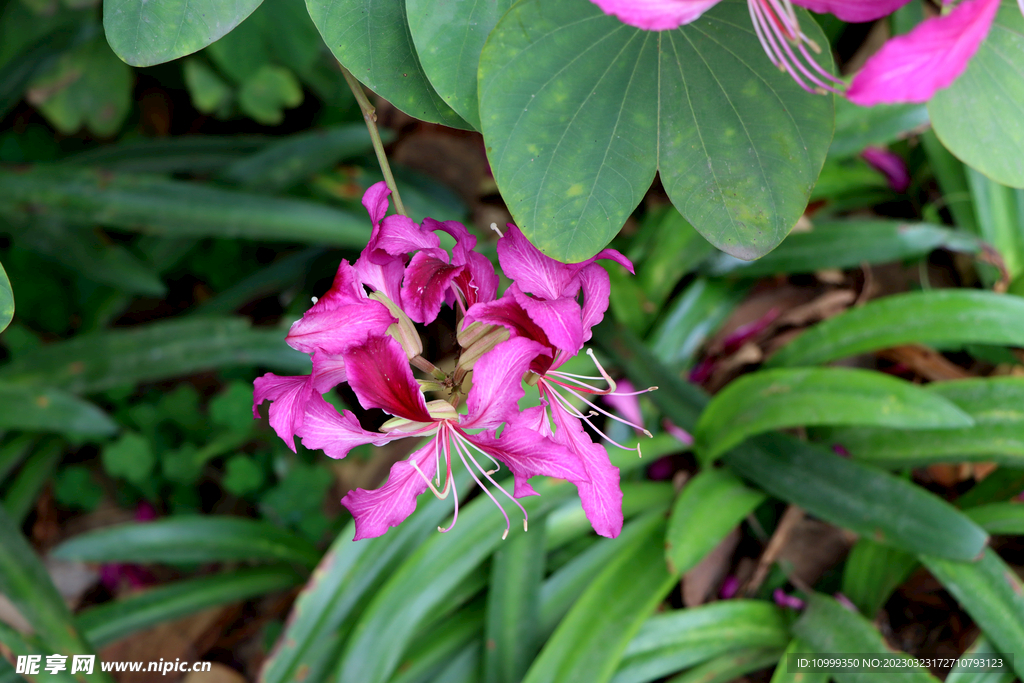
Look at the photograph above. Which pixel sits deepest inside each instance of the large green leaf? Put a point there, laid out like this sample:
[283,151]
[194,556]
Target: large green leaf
[51,410]
[843,492]
[782,398]
[147,32]
[581,110]
[415,590]
[679,639]
[114,620]
[190,539]
[152,352]
[371,38]
[174,208]
[947,316]
[24,581]
[830,628]
[995,405]
[999,518]
[709,507]
[513,608]
[449,37]
[978,117]
[589,643]
[991,593]
[6,300]
[848,244]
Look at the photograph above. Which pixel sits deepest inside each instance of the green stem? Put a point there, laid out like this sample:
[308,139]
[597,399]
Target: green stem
[370,116]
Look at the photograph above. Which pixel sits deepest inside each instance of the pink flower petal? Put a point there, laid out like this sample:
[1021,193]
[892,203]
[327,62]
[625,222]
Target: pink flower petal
[612,255]
[328,371]
[891,165]
[289,397]
[912,67]
[856,11]
[427,279]
[596,290]
[497,382]
[656,15]
[534,272]
[379,374]
[507,313]
[336,434]
[561,319]
[336,329]
[375,199]
[376,511]
[528,454]
[626,406]
[399,235]
[383,277]
[347,289]
[599,491]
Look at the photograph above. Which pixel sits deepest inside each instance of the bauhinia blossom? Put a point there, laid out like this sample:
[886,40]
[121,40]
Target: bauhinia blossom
[775,24]
[913,67]
[363,332]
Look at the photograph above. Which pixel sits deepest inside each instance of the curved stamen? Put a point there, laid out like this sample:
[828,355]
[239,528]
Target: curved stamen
[466,444]
[564,402]
[508,523]
[455,516]
[775,23]
[606,413]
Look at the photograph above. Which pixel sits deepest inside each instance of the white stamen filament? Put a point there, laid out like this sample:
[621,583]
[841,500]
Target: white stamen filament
[463,446]
[564,402]
[494,226]
[776,26]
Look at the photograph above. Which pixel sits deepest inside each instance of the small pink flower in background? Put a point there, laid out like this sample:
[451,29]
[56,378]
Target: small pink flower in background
[370,341]
[730,587]
[891,165]
[845,602]
[784,600]
[913,67]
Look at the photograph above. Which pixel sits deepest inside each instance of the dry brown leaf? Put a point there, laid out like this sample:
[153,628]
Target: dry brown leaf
[927,363]
[700,582]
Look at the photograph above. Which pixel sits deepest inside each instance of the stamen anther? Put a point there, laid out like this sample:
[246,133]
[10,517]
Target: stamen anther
[494,227]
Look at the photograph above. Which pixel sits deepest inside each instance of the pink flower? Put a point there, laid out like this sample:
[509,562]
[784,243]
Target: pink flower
[380,376]
[891,166]
[775,24]
[912,67]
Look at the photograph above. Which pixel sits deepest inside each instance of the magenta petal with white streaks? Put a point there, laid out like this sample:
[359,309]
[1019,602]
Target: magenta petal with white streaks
[426,284]
[379,374]
[288,396]
[855,11]
[913,67]
[336,329]
[656,15]
[497,383]
[324,428]
[376,511]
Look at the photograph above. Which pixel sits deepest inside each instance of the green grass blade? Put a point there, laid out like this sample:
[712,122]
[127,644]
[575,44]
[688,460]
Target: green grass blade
[872,572]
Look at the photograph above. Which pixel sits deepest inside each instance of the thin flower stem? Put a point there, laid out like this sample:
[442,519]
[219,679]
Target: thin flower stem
[370,116]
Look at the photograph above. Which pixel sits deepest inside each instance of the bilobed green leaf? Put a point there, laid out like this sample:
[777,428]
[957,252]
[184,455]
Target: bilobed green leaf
[995,404]
[114,620]
[710,506]
[88,87]
[679,639]
[151,352]
[513,607]
[848,244]
[24,581]
[173,208]
[977,116]
[777,399]
[6,300]
[147,32]
[945,316]
[50,410]
[830,628]
[859,127]
[872,572]
[416,588]
[991,593]
[190,539]
[372,40]
[590,641]
[449,38]
[581,110]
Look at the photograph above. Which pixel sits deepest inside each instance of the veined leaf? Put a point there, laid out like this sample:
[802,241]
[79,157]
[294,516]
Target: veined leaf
[147,32]
[828,627]
[590,641]
[679,639]
[173,208]
[710,506]
[991,593]
[872,572]
[776,399]
[114,620]
[437,647]
[155,351]
[372,40]
[513,607]
[51,410]
[190,539]
[976,117]
[581,110]
[951,316]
